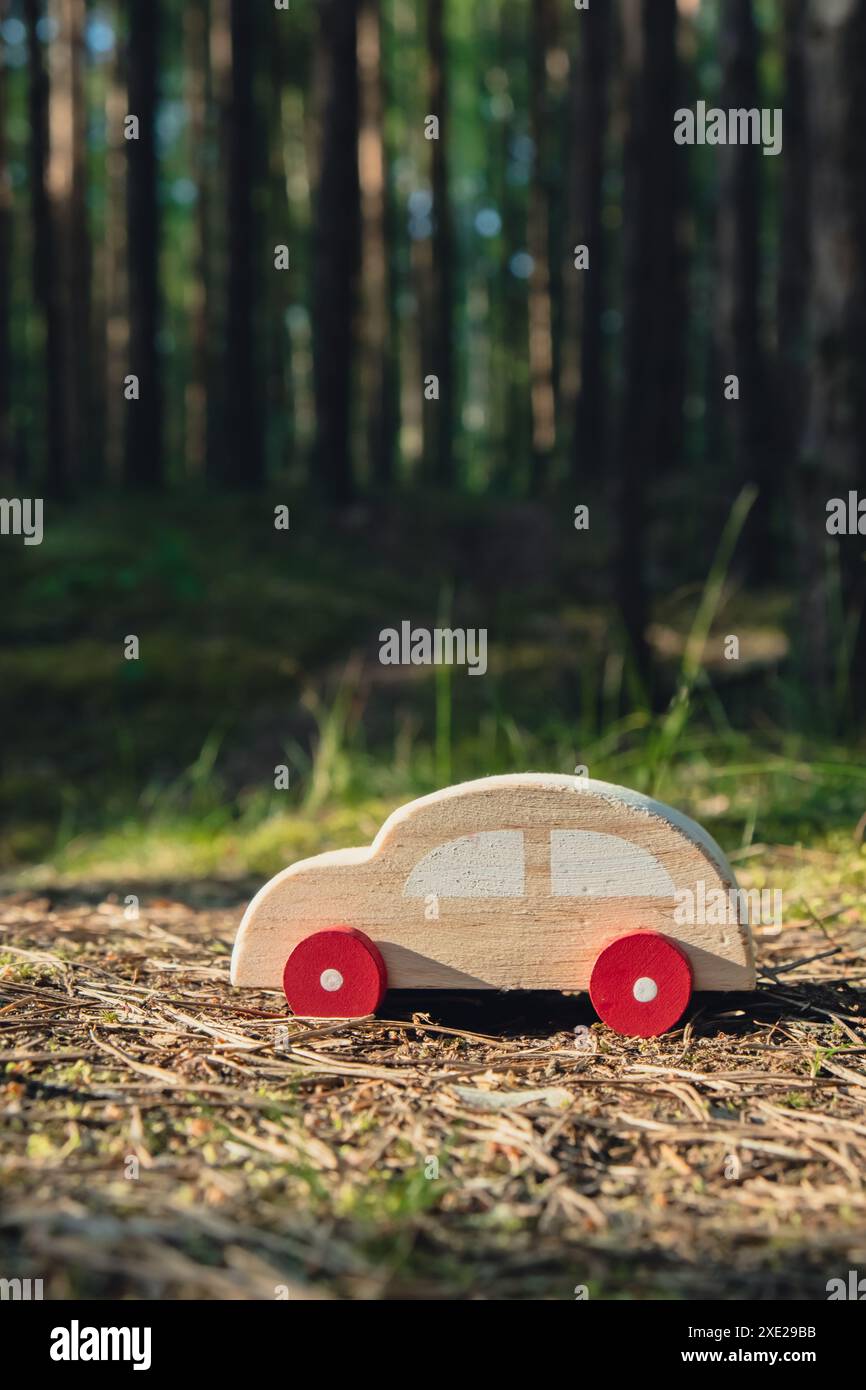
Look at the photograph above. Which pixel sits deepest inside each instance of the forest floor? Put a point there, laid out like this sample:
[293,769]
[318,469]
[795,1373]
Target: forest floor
[166,1135]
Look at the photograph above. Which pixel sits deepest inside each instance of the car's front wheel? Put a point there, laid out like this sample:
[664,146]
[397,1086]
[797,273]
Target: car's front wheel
[336,973]
[641,984]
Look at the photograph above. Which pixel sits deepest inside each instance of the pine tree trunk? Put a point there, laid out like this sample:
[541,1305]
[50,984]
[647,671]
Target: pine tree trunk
[832,455]
[5,250]
[442,411]
[792,359]
[514,453]
[245,459]
[196,20]
[336,249]
[542,399]
[116,342]
[649,269]
[219,130]
[66,185]
[144,423]
[589,102]
[378,366]
[280,395]
[45,277]
[741,350]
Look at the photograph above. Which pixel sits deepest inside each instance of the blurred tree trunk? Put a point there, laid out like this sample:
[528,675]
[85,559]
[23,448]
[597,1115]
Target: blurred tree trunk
[116,348]
[285,51]
[794,244]
[217,179]
[513,409]
[832,456]
[144,423]
[245,458]
[66,177]
[77,256]
[741,351]
[45,276]
[649,272]
[378,363]
[542,399]
[336,249]
[196,21]
[5,252]
[443,255]
[584,396]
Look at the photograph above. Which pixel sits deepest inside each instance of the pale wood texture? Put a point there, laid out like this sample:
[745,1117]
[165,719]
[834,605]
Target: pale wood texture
[549,870]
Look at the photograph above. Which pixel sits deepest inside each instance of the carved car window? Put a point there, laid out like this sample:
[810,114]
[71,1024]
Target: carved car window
[589,864]
[489,864]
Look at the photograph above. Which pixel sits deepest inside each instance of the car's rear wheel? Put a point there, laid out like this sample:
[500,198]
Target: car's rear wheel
[641,984]
[336,973]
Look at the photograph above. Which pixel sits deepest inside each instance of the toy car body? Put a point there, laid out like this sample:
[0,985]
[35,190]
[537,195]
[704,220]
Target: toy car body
[528,881]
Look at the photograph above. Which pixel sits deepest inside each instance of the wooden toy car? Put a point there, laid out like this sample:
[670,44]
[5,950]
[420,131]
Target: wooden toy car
[530,881]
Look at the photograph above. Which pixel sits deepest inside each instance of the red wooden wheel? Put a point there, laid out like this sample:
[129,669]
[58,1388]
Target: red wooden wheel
[641,984]
[337,973]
